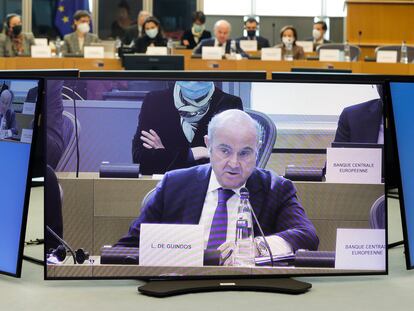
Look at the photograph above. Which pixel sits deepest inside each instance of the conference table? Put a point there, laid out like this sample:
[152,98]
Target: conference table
[362,67]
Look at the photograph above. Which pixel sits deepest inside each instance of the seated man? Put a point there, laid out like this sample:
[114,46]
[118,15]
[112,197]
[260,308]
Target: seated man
[8,126]
[190,196]
[250,25]
[318,34]
[222,31]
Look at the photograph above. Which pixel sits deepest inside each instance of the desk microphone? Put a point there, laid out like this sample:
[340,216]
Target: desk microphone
[246,191]
[359,37]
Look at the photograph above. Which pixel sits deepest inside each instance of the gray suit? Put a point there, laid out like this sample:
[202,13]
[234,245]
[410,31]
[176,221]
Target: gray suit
[6,45]
[71,45]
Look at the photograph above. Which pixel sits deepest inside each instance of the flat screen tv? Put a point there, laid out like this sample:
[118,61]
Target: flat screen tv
[19,103]
[167,223]
[402,92]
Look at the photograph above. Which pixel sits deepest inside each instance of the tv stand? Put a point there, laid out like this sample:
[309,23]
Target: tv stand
[165,288]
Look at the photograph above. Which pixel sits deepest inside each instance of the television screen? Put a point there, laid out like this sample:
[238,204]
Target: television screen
[19,100]
[153,62]
[174,178]
[401,96]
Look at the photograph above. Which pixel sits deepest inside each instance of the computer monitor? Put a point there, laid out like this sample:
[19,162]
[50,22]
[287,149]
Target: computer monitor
[321,70]
[402,92]
[19,103]
[160,125]
[153,62]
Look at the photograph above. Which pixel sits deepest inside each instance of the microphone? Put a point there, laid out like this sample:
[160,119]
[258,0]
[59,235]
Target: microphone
[246,192]
[359,37]
[273,32]
[66,245]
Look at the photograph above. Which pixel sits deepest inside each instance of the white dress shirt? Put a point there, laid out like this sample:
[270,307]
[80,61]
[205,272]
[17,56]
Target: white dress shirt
[278,245]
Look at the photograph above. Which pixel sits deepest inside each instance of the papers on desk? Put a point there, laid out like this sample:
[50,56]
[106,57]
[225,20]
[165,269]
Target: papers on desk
[282,260]
[40,51]
[387,56]
[93,52]
[248,45]
[271,54]
[157,50]
[306,45]
[211,52]
[328,55]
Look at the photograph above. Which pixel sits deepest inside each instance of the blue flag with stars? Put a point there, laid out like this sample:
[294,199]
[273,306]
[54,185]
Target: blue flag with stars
[64,14]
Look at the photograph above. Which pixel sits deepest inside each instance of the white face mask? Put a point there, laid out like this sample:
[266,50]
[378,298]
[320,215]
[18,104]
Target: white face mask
[83,27]
[316,34]
[287,40]
[152,33]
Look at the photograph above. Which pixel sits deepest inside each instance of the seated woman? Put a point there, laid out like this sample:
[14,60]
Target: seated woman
[75,41]
[290,50]
[193,36]
[8,126]
[172,125]
[14,42]
[153,35]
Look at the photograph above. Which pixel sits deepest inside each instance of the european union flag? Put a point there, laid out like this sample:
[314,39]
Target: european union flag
[64,14]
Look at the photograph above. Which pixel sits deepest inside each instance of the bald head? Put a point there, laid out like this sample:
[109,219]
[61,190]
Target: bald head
[5,101]
[222,30]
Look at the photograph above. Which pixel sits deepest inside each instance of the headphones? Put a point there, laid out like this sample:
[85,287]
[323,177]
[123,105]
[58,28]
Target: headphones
[7,21]
[60,254]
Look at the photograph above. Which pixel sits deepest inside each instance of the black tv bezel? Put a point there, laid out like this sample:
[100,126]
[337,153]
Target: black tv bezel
[35,138]
[400,79]
[283,77]
[178,60]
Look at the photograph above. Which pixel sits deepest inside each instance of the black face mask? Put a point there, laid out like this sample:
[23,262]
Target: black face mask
[17,30]
[251,33]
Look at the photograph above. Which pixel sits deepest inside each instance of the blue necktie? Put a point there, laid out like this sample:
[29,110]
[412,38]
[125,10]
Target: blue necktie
[218,231]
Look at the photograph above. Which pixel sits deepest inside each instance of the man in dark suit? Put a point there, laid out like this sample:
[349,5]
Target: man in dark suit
[362,123]
[318,34]
[250,25]
[191,196]
[222,31]
[135,31]
[172,125]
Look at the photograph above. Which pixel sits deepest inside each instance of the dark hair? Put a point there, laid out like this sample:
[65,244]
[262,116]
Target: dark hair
[9,17]
[324,26]
[81,13]
[295,33]
[198,16]
[124,5]
[251,19]
[153,19]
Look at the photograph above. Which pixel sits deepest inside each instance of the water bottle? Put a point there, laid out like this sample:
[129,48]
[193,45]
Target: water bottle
[404,55]
[170,46]
[233,48]
[244,250]
[118,45]
[288,52]
[347,52]
[58,45]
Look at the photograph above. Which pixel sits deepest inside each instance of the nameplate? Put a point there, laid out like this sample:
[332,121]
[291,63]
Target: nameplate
[271,54]
[26,136]
[41,41]
[248,45]
[40,51]
[211,52]
[362,249]
[171,245]
[93,52]
[29,108]
[353,165]
[387,56]
[328,55]
[306,45]
[157,50]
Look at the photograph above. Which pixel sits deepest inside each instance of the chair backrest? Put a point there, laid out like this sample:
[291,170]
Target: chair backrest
[53,208]
[268,136]
[410,51]
[147,197]
[355,50]
[69,139]
[377,214]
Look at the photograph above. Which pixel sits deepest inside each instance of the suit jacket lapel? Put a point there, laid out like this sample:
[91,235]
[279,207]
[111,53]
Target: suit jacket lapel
[376,112]
[256,195]
[196,194]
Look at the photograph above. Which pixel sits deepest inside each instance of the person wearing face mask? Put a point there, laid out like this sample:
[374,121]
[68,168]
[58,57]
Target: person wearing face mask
[14,42]
[288,36]
[193,36]
[172,125]
[318,34]
[250,25]
[153,36]
[81,37]
[8,126]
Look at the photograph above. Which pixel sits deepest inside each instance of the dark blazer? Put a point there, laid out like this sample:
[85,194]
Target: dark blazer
[261,41]
[11,121]
[141,44]
[179,199]
[158,113]
[210,42]
[188,35]
[360,123]
[131,34]
[71,45]
[315,45]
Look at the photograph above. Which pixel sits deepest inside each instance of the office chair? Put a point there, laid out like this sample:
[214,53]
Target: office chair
[410,51]
[377,214]
[355,50]
[69,139]
[268,136]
